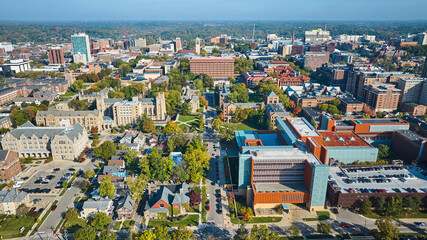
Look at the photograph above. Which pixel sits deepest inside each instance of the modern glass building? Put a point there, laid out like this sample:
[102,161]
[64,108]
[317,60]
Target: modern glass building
[81,45]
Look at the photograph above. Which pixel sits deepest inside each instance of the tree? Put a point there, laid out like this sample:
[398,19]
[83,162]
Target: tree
[100,221]
[146,235]
[131,158]
[412,203]
[79,105]
[294,230]
[238,93]
[171,128]
[182,233]
[201,123]
[106,150]
[196,161]
[386,229]
[241,233]
[160,167]
[181,172]
[87,233]
[106,188]
[394,207]
[146,124]
[195,199]
[247,213]
[380,204]
[137,186]
[324,228]
[89,174]
[77,86]
[263,233]
[227,131]
[232,80]
[107,235]
[366,207]
[383,152]
[64,184]
[162,233]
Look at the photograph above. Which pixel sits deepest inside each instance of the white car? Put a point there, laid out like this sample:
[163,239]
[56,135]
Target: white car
[207,195]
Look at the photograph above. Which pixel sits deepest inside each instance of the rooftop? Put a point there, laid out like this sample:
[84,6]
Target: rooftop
[303,127]
[388,178]
[378,121]
[342,139]
[410,135]
[280,187]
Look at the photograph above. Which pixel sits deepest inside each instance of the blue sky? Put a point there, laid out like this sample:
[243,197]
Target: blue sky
[199,10]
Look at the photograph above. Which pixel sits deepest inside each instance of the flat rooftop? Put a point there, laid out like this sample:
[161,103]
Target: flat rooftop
[303,127]
[342,139]
[414,137]
[379,120]
[284,155]
[268,139]
[350,101]
[372,178]
[280,187]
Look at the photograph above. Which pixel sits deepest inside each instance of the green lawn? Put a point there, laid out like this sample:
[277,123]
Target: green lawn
[117,225]
[74,224]
[128,224]
[190,220]
[68,94]
[257,220]
[10,226]
[243,126]
[187,118]
[321,215]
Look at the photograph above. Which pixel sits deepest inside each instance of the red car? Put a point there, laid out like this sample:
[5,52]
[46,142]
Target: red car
[345,225]
[208,207]
[53,208]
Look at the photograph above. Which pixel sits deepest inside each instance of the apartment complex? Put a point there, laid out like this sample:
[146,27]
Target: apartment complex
[383,97]
[315,60]
[217,68]
[9,165]
[56,56]
[63,143]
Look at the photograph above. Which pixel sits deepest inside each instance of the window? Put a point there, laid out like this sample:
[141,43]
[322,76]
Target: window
[162,205]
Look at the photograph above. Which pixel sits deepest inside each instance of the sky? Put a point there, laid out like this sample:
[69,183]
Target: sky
[205,10]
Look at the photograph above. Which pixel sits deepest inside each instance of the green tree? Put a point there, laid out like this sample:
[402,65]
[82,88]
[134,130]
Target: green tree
[107,235]
[79,105]
[294,231]
[196,161]
[386,229]
[383,152]
[89,174]
[412,203]
[146,124]
[100,221]
[132,160]
[201,123]
[171,128]
[106,150]
[87,233]
[324,228]
[106,188]
[241,233]
[181,172]
[173,101]
[227,131]
[137,186]
[380,205]
[263,232]
[77,86]
[366,207]
[64,184]
[147,235]
[394,207]
[162,233]
[160,167]
[239,93]
[182,233]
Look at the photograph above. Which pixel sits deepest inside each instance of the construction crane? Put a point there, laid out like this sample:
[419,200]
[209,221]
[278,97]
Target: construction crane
[382,49]
[126,31]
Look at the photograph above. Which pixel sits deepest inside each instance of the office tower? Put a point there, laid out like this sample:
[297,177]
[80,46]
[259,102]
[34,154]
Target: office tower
[56,56]
[198,45]
[178,45]
[81,45]
[140,43]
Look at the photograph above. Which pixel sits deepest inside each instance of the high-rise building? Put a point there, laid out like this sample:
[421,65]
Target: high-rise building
[198,45]
[178,44]
[81,45]
[56,56]
[216,67]
[424,74]
[383,97]
[411,89]
[140,43]
[317,36]
[315,60]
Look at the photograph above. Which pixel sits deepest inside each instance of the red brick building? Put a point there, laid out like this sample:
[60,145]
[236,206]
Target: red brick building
[9,165]
[56,56]
[381,97]
[217,68]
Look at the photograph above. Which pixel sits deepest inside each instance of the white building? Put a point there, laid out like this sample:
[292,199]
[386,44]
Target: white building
[80,58]
[6,46]
[18,65]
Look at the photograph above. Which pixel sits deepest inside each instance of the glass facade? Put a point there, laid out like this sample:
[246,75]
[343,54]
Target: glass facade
[319,182]
[81,45]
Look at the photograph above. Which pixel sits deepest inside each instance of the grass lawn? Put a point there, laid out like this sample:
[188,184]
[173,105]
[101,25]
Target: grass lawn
[68,94]
[190,220]
[10,226]
[74,224]
[117,225]
[245,126]
[321,215]
[128,224]
[187,118]
[257,220]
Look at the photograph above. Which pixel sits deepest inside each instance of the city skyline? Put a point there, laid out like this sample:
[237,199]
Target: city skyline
[191,10]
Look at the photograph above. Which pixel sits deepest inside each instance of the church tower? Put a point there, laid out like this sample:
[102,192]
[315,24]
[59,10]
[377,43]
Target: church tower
[161,106]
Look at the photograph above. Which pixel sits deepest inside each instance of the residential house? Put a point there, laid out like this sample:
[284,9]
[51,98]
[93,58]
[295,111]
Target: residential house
[126,208]
[91,207]
[11,200]
[167,197]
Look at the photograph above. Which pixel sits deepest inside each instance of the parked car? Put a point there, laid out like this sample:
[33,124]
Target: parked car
[420,223]
[345,225]
[208,207]
[53,208]
[334,211]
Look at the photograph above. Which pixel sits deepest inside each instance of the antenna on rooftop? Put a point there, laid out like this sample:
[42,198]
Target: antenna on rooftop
[253,34]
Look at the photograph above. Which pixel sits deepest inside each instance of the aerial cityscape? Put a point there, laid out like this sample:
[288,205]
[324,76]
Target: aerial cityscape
[216,120]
